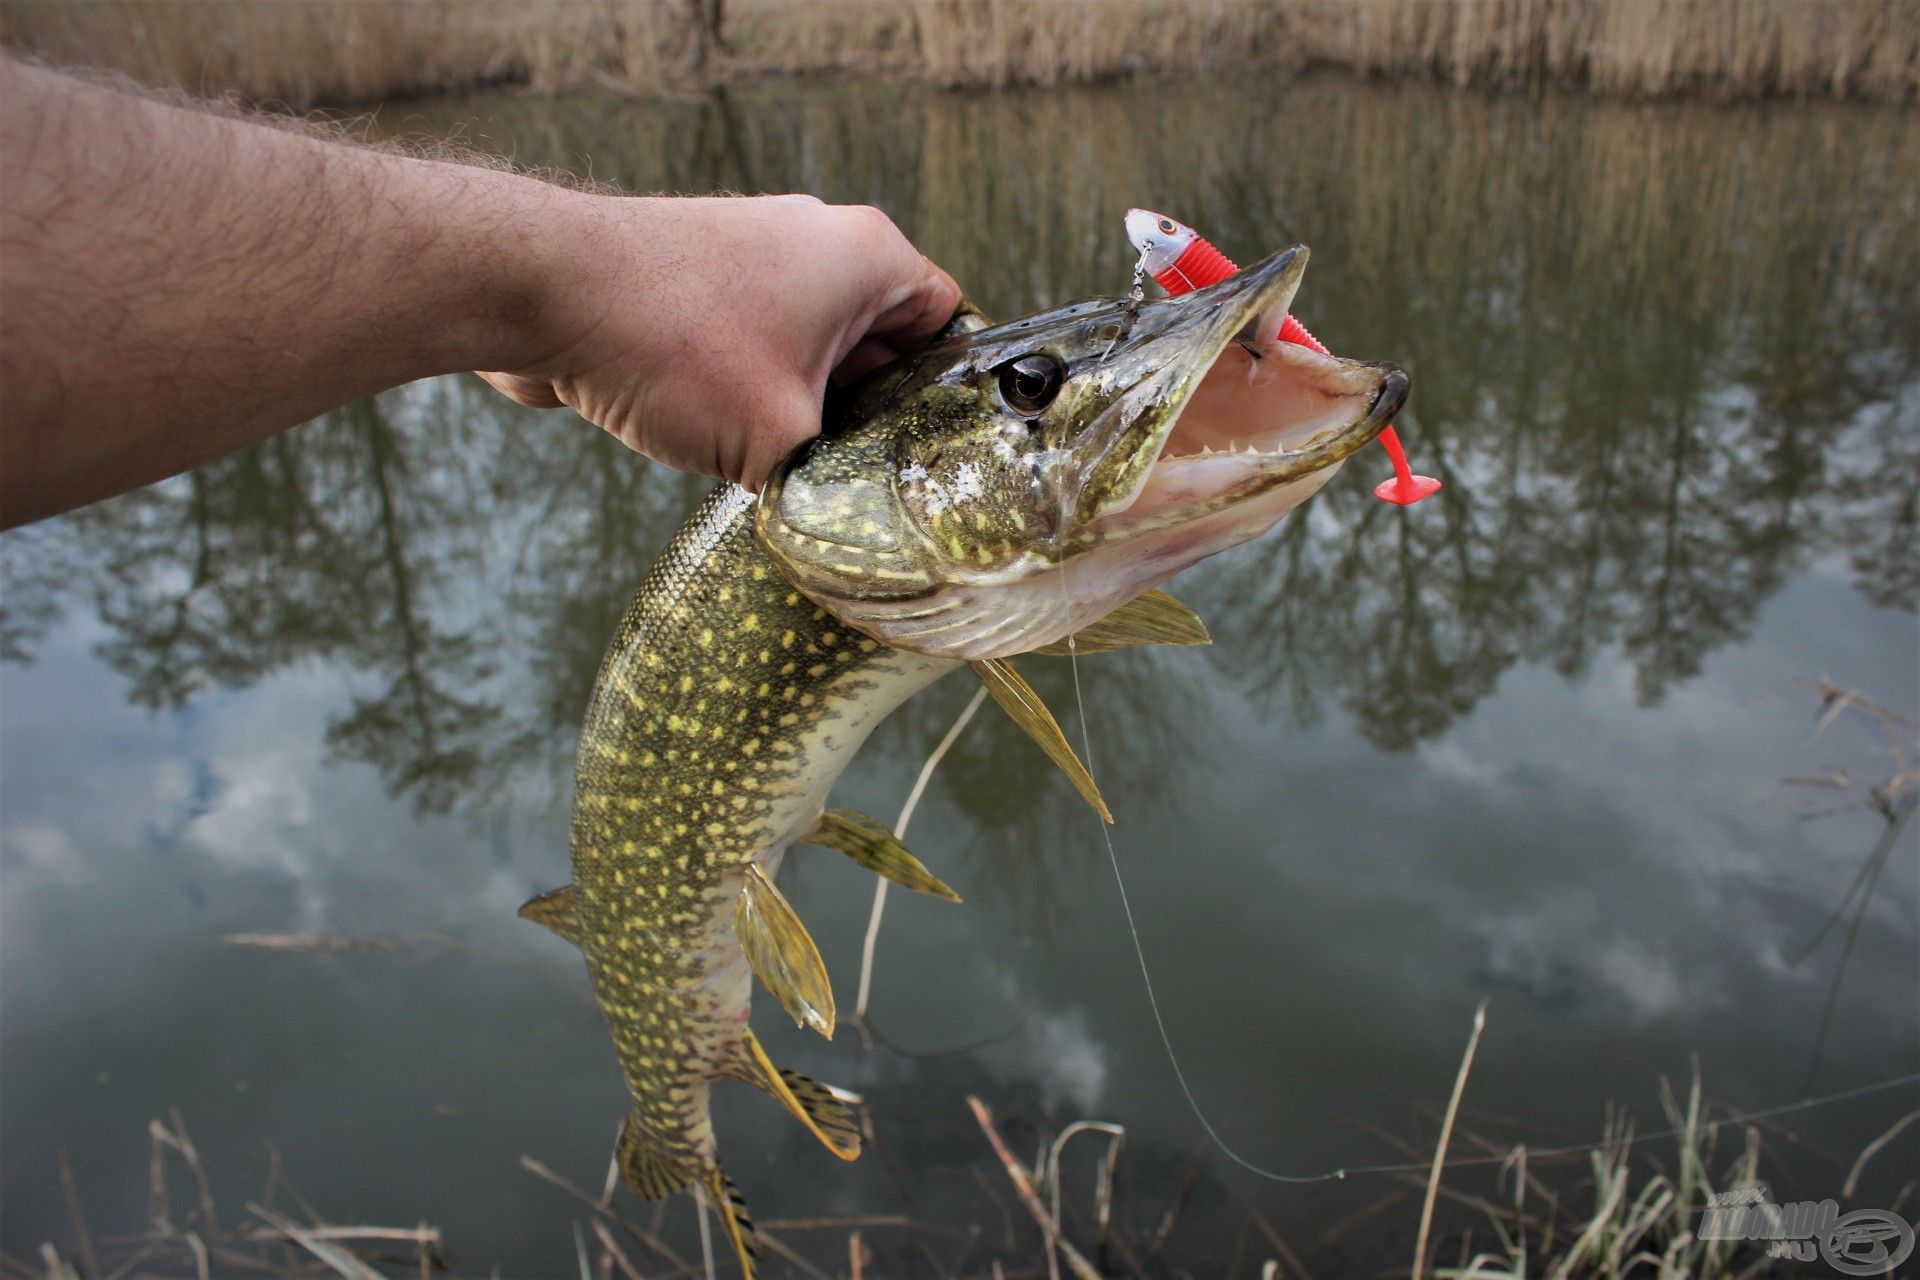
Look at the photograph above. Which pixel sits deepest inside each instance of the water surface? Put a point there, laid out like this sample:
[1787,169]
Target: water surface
[1519,744]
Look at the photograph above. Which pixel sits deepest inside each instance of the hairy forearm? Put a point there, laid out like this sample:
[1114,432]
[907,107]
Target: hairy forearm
[175,284]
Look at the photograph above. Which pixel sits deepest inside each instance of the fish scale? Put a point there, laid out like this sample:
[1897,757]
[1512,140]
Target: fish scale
[724,709]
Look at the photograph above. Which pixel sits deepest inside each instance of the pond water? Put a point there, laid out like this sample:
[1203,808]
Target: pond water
[1522,743]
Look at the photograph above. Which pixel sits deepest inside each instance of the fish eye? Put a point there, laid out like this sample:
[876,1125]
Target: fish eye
[1030,383]
[1166,227]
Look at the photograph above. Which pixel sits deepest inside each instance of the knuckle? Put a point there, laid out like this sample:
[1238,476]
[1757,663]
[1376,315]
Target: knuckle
[872,220]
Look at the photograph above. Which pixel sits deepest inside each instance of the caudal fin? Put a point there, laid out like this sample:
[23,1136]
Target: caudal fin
[731,1209]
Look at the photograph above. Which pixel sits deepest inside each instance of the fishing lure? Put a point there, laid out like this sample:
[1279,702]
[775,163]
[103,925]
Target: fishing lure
[1181,260]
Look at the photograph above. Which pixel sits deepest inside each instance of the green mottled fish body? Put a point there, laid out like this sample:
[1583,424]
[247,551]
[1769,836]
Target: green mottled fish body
[726,706]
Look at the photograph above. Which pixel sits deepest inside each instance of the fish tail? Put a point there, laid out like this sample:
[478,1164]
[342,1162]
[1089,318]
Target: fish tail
[731,1209]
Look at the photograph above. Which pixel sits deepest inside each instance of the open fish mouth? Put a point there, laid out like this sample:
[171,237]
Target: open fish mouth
[1019,481]
[1262,415]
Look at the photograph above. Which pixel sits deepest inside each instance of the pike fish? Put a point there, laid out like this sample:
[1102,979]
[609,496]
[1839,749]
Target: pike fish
[1010,489]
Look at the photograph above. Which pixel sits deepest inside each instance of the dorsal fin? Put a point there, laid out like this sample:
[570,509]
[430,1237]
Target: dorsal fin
[874,847]
[782,953]
[811,1102]
[644,1167]
[1154,618]
[554,909]
[1017,698]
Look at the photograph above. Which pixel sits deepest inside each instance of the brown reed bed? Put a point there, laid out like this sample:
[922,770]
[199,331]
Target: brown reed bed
[308,52]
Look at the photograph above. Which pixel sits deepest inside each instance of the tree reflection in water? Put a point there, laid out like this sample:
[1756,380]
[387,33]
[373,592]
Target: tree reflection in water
[1663,360]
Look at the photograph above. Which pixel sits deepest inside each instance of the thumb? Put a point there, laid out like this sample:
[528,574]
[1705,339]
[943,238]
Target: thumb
[535,393]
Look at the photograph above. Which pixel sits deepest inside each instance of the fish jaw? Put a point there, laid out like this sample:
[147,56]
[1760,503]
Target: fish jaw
[939,522]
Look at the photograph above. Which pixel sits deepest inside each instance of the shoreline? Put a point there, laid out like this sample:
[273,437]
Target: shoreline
[350,54]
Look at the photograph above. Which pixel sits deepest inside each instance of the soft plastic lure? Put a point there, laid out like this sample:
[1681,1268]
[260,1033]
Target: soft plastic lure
[1180,260]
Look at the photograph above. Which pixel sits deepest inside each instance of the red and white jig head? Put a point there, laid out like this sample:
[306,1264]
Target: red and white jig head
[1180,260]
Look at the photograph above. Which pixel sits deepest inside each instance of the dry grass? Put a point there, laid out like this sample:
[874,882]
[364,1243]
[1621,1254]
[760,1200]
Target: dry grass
[1618,1209]
[304,52]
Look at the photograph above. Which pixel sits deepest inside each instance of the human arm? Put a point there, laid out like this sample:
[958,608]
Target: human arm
[176,284]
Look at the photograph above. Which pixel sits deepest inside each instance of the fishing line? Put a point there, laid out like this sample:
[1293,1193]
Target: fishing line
[1425,1166]
[1146,977]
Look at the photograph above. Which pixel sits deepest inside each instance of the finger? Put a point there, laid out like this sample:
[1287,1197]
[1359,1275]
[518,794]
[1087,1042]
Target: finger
[867,355]
[752,458]
[926,312]
[535,393]
[916,297]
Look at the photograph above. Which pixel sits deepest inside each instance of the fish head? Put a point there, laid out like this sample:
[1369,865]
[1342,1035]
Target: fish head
[1007,486]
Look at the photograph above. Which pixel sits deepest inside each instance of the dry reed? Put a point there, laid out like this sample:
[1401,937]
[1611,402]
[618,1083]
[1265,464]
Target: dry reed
[306,52]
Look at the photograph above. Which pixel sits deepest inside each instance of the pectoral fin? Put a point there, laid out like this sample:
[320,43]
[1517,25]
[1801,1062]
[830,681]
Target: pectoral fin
[782,953]
[871,845]
[645,1168]
[554,909]
[811,1102]
[1017,698]
[1154,618]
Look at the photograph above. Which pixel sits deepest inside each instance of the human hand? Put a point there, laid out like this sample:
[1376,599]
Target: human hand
[703,332]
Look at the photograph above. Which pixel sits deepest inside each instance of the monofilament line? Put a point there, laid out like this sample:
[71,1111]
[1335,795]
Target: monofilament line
[1173,1058]
[1146,976]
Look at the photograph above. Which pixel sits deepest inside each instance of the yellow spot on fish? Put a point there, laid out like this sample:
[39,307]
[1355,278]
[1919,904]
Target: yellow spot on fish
[750,623]
[686,683]
[716,829]
[789,720]
[706,638]
[793,597]
[786,640]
